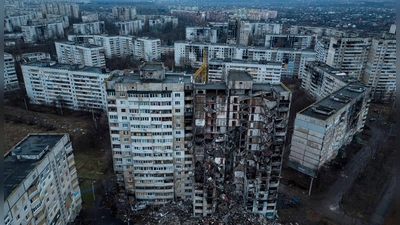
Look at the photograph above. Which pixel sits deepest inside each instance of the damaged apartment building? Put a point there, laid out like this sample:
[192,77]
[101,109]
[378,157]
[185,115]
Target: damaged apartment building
[218,145]
[322,128]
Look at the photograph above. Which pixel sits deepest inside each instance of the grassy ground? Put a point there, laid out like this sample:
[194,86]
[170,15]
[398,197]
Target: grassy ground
[362,198]
[87,200]
[89,158]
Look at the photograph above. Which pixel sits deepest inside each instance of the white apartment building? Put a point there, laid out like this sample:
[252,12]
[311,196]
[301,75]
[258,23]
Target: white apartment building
[349,55]
[124,13]
[322,128]
[320,80]
[380,70]
[64,85]
[96,27]
[13,22]
[40,181]
[288,41]
[322,48]
[158,22]
[260,71]
[147,49]
[256,32]
[130,27]
[293,61]
[392,29]
[10,75]
[37,33]
[201,34]
[89,17]
[65,9]
[83,54]
[114,46]
[147,127]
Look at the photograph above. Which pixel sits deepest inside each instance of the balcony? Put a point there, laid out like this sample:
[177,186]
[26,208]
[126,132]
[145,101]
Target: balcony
[68,147]
[283,109]
[32,191]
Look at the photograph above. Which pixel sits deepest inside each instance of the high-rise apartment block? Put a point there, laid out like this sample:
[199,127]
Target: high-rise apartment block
[322,128]
[96,27]
[147,49]
[43,32]
[40,181]
[66,9]
[147,114]
[10,75]
[173,139]
[239,134]
[321,49]
[293,61]
[288,41]
[380,69]
[201,34]
[320,80]
[260,71]
[114,46]
[89,17]
[124,13]
[64,85]
[83,54]
[349,55]
[130,27]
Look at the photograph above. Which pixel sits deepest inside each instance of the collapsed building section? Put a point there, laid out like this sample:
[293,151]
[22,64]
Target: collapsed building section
[216,145]
[238,145]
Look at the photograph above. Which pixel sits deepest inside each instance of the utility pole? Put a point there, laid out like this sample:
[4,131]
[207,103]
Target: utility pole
[94,119]
[94,197]
[309,191]
[26,106]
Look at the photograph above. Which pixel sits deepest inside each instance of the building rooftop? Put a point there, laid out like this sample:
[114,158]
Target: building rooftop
[329,105]
[333,71]
[238,46]
[61,66]
[229,60]
[152,66]
[237,75]
[131,77]
[84,45]
[30,152]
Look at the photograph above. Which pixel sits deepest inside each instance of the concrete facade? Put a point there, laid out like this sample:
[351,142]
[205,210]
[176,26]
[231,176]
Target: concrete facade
[380,69]
[147,49]
[201,134]
[40,181]
[64,85]
[322,128]
[293,61]
[10,75]
[114,46]
[260,71]
[65,9]
[320,80]
[37,33]
[146,115]
[124,13]
[130,27]
[349,55]
[82,54]
[96,27]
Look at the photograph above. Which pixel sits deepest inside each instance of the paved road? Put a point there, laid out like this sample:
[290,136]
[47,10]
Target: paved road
[328,204]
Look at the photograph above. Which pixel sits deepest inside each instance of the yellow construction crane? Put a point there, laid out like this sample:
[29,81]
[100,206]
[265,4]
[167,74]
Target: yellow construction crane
[202,70]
